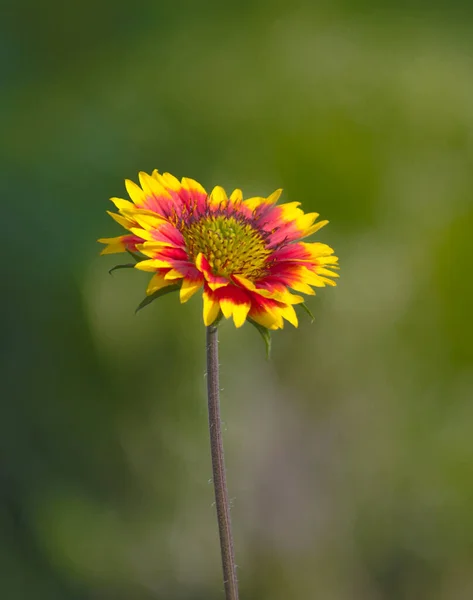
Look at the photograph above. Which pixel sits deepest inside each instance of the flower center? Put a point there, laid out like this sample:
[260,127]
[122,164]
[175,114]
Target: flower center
[231,246]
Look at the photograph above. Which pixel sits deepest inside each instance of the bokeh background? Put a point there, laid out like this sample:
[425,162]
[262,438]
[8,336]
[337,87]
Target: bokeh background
[350,453]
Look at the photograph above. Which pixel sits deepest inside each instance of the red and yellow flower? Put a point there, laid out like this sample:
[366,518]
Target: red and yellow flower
[246,255]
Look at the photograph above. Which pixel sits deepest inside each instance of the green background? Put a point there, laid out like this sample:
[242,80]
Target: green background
[350,454]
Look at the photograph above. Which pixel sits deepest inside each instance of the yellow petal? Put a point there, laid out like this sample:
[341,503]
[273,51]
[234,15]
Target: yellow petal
[268,319]
[172,183]
[156,283]
[244,282]
[211,309]
[167,181]
[291,212]
[317,249]
[328,260]
[240,312]
[288,298]
[253,203]
[146,220]
[148,248]
[323,271]
[289,314]
[152,264]
[122,204]
[236,195]
[227,308]
[314,228]
[218,195]
[135,192]
[115,245]
[188,289]
[173,274]
[305,221]
[312,278]
[274,197]
[192,186]
[329,281]
[121,220]
[304,288]
[141,233]
[151,186]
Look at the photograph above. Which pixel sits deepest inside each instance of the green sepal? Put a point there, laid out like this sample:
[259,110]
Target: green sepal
[308,311]
[157,294]
[125,266]
[218,320]
[265,334]
[137,257]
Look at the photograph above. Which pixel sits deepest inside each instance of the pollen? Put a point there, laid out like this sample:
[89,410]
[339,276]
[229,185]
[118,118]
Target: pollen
[231,245]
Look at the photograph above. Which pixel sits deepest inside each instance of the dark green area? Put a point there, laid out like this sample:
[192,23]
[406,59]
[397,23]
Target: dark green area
[350,453]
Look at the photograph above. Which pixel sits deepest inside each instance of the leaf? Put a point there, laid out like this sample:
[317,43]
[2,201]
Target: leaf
[308,311]
[157,294]
[137,257]
[125,266]
[265,334]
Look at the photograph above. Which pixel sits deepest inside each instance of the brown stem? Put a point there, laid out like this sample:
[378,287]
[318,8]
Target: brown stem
[218,468]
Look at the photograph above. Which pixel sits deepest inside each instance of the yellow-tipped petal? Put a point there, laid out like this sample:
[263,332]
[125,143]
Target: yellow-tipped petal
[167,181]
[142,233]
[253,203]
[151,186]
[305,221]
[328,260]
[210,310]
[152,264]
[215,285]
[304,288]
[317,249]
[274,197]
[291,212]
[268,319]
[192,186]
[289,314]
[122,204]
[147,221]
[148,249]
[245,282]
[240,312]
[156,283]
[311,278]
[236,195]
[135,192]
[114,245]
[329,281]
[218,195]
[171,182]
[121,220]
[323,271]
[188,289]
[174,275]
[227,308]
[315,228]
[288,298]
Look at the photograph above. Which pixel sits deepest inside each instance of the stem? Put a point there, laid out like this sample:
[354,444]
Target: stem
[218,468]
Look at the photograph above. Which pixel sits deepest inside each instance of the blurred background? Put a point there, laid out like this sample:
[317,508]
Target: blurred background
[350,453]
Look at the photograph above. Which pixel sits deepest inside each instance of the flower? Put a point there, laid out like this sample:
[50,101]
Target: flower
[247,255]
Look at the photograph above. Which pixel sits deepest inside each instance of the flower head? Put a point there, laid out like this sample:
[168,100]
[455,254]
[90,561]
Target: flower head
[246,255]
